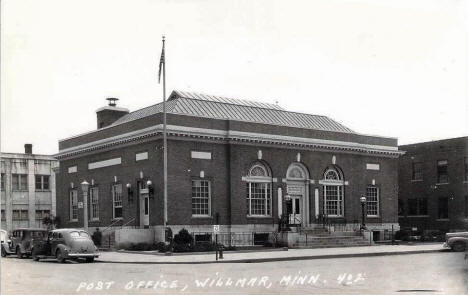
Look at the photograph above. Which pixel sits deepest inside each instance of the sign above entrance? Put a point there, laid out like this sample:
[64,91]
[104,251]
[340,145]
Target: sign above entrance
[294,190]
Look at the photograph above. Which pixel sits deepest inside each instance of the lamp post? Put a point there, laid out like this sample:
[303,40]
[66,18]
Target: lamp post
[363,204]
[84,188]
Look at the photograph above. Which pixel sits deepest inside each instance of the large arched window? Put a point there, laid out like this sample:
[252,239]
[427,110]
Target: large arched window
[258,191]
[333,193]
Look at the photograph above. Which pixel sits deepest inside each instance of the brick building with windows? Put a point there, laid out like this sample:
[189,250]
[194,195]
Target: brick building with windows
[27,189]
[433,181]
[243,164]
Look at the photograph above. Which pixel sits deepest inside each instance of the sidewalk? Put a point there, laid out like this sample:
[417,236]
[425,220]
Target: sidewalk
[267,256]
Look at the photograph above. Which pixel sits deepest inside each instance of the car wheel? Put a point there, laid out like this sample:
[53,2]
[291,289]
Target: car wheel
[4,253]
[458,247]
[90,259]
[18,253]
[59,256]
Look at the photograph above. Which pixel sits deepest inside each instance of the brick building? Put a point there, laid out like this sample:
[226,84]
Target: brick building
[240,163]
[433,181]
[27,188]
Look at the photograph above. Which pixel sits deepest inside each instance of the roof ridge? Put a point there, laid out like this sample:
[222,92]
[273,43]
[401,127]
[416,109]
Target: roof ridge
[226,100]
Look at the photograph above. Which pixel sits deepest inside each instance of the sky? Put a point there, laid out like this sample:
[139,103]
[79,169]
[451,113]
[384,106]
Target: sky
[394,68]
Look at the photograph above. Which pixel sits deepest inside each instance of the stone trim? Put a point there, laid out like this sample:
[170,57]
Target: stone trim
[237,136]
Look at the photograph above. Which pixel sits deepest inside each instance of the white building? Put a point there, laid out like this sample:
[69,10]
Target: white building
[27,189]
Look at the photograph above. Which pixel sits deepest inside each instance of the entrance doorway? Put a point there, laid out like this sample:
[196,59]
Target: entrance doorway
[144,208]
[293,210]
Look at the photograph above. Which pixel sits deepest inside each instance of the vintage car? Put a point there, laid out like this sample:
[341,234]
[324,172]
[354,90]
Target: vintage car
[64,244]
[457,241]
[21,240]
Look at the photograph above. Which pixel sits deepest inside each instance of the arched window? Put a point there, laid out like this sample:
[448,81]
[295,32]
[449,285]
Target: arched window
[372,200]
[258,191]
[333,193]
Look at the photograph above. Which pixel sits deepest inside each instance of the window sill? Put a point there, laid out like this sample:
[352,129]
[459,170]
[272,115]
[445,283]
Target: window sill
[202,216]
[117,219]
[259,216]
[334,216]
[20,190]
[373,216]
[43,190]
[416,180]
[442,219]
[442,183]
[409,216]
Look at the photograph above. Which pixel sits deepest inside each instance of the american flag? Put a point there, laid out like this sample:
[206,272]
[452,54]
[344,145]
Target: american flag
[161,62]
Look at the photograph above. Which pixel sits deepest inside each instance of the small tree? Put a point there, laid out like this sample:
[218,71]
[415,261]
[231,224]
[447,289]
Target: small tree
[51,222]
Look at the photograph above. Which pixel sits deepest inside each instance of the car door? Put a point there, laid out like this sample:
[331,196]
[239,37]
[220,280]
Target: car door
[57,239]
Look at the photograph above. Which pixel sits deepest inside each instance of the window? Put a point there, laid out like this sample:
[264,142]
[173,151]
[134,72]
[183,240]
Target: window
[466,206]
[201,198]
[442,174]
[41,214]
[417,171]
[19,182]
[117,200]
[466,168]
[417,206]
[74,205]
[2,182]
[20,214]
[443,208]
[3,214]
[333,192]
[42,182]
[259,199]
[258,191]
[372,196]
[94,203]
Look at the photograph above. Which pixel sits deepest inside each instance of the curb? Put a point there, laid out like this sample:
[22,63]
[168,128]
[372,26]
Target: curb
[273,259]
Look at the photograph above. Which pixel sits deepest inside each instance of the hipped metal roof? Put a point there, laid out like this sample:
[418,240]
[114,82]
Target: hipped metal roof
[210,106]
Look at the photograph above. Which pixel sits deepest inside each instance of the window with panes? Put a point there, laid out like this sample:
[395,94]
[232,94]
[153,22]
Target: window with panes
[73,205]
[372,200]
[201,195]
[94,203]
[258,191]
[333,193]
[117,200]
[19,182]
[42,182]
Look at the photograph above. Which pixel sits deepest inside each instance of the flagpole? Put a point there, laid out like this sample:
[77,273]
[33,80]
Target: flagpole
[164,135]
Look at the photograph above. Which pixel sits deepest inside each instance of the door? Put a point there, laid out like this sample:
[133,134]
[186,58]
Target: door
[293,209]
[144,208]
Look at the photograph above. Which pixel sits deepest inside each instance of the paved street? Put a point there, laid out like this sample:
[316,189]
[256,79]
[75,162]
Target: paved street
[438,273]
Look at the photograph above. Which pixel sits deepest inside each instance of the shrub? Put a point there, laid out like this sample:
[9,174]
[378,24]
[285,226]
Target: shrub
[183,237]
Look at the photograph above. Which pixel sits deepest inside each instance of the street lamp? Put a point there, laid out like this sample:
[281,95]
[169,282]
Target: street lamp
[84,188]
[363,204]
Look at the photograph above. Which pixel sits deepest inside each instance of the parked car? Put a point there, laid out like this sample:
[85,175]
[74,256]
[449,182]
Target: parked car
[64,244]
[4,239]
[456,241]
[21,240]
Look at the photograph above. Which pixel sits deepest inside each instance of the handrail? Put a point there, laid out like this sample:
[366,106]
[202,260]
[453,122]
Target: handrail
[118,220]
[127,222]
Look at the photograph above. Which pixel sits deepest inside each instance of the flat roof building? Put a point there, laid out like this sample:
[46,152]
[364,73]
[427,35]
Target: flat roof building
[27,189]
[433,180]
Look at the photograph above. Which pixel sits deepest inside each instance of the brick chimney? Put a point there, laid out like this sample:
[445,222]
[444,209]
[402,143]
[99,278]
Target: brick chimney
[110,113]
[28,148]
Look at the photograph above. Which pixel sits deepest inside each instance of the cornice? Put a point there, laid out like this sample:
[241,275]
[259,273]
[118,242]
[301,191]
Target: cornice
[230,136]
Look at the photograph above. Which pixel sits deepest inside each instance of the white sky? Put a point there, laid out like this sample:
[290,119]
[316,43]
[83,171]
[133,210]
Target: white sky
[389,67]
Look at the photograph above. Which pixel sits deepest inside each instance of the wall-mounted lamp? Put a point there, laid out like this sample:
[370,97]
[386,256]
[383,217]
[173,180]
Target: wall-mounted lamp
[149,185]
[130,192]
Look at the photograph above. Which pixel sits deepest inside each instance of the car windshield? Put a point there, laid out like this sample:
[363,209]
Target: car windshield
[79,234]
